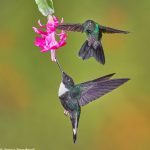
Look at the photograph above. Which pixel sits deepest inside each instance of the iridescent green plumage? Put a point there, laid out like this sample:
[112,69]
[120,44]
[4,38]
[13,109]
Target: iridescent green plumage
[72,96]
[92,47]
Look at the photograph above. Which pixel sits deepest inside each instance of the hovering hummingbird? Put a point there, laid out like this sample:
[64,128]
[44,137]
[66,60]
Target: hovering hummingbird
[72,96]
[92,47]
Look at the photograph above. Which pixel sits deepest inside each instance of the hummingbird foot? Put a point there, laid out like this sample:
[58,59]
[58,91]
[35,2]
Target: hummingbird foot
[66,113]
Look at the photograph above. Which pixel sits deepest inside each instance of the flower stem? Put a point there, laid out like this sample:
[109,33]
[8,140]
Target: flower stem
[50,18]
[53,55]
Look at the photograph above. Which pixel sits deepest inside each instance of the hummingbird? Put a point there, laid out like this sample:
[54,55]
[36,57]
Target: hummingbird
[92,47]
[73,96]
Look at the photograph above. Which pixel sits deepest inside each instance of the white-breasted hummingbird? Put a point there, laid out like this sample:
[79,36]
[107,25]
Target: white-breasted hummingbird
[72,96]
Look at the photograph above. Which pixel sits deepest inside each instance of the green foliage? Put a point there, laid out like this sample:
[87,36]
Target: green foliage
[45,7]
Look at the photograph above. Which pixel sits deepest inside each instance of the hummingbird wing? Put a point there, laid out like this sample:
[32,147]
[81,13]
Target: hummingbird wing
[107,77]
[95,89]
[71,27]
[111,30]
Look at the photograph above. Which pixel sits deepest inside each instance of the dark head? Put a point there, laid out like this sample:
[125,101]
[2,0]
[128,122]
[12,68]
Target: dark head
[89,26]
[67,80]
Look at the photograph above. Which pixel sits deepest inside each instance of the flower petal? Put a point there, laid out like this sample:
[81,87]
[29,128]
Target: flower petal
[38,31]
[47,41]
[41,26]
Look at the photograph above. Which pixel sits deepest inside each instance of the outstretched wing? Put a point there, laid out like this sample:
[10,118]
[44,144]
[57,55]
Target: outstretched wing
[101,86]
[71,27]
[98,80]
[111,30]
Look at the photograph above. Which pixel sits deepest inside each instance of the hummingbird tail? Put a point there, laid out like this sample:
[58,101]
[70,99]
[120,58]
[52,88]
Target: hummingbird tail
[99,52]
[74,136]
[74,120]
[95,50]
[85,51]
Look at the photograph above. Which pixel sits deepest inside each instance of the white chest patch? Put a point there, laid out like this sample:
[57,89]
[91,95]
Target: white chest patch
[62,89]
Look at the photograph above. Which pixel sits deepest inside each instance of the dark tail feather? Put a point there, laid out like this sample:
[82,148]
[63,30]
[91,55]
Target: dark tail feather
[74,138]
[95,50]
[85,51]
[74,120]
[99,53]
[74,127]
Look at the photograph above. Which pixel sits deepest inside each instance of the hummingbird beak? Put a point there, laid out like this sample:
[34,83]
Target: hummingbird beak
[59,66]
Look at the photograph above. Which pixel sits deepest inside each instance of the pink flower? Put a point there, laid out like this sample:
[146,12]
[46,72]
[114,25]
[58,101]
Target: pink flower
[47,41]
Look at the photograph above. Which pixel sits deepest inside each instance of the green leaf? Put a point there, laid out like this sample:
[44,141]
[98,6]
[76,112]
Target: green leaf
[45,7]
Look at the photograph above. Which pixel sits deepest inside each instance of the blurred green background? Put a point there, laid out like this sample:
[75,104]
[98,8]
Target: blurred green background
[30,112]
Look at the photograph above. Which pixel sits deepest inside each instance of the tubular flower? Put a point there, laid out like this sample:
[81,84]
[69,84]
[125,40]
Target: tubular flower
[47,41]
